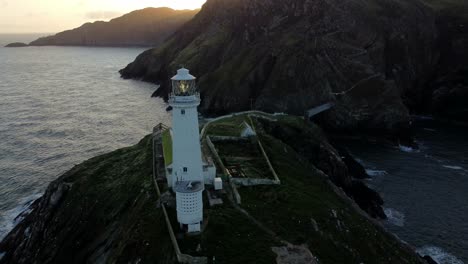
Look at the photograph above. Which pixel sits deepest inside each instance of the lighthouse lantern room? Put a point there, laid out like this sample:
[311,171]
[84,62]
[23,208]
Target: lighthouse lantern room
[187,168]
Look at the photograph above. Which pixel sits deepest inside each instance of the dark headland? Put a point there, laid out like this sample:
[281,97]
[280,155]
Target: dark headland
[106,210]
[146,27]
[16,45]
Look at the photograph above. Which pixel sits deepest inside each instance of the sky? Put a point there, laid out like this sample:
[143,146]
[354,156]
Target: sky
[52,16]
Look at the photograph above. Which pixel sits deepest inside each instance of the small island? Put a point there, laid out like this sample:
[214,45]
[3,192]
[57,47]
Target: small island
[16,45]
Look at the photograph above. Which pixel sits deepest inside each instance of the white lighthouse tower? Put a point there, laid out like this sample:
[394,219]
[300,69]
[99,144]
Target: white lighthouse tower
[187,168]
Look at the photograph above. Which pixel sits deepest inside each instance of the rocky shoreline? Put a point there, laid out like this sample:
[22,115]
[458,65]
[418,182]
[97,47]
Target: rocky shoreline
[103,209]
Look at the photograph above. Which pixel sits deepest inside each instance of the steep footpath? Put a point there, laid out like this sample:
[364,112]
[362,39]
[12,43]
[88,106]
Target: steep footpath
[105,211]
[146,27]
[287,56]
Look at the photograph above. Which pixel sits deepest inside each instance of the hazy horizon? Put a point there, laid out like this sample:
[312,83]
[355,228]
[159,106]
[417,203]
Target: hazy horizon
[53,16]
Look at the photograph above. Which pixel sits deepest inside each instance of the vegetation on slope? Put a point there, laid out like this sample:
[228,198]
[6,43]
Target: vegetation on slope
[105,210]
[304,209]
[146,27]
[289,56]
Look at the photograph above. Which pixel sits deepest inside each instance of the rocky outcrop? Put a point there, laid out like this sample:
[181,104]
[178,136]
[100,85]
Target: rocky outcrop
[447,93]
[343,171]
[106,210]
[146,27]
[288,56]
[101,211]
[16,45]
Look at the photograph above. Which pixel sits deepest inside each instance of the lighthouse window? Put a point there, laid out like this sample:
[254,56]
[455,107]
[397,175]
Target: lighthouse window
[185,169]
[182,111]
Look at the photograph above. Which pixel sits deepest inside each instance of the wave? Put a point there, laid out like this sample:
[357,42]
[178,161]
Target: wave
[408,149]
[12,217]
[422,117]
[439,255]
[395,217]
[452,167]
[376,172]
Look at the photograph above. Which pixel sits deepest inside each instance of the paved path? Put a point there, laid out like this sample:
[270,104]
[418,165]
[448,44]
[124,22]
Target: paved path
[319,109]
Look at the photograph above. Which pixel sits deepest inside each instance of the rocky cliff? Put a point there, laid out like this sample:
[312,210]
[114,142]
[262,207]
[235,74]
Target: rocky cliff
[446,94]
[288,56]
[105,210]
[146,27]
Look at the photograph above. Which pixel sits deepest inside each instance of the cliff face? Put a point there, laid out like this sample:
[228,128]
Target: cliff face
[105,211]
[288,56]
[101,211]
[447,93]
[146,27]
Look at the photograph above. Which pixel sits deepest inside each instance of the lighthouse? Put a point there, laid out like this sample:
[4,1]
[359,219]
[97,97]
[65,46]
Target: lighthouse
[187,168]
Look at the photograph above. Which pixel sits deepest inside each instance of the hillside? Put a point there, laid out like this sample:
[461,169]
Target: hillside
[376,59]
[146,27]
[447,93]
[16,45]
[105,211]
[291,55]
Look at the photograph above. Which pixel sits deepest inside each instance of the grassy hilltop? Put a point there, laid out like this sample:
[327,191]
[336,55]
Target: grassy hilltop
[104,210]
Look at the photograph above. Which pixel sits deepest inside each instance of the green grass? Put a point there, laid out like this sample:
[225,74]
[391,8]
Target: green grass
[107,215]
[231,238]
[230,127]
[304,197]
[167,147]
[109,212]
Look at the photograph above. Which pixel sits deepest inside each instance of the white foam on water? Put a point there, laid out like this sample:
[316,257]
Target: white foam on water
[452,167]
[10,218]
[422,117]
[395,217]
[376,172]
[408,149]
[439,255]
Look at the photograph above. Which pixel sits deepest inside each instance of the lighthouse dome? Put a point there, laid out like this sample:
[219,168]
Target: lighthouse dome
[183,75]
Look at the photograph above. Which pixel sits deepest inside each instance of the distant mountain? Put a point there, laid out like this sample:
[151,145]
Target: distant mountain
[146,27]
[16,45]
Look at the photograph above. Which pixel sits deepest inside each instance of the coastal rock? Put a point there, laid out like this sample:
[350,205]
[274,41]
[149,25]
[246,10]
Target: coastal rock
[146,27]
[16,45]
[289,56]
[105,210]
[446,91]
[101,211]
[313,146]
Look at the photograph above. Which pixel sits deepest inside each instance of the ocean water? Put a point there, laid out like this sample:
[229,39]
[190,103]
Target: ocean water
[25,38]
[60,106]
[425,190]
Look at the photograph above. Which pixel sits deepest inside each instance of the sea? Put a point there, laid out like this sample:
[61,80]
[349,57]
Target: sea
[62,105]
[425,189]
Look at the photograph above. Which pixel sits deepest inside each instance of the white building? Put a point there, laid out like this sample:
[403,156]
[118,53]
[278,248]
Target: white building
[187,179]
[247,130]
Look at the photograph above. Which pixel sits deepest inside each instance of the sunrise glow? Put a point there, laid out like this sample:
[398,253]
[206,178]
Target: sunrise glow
[22,16]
